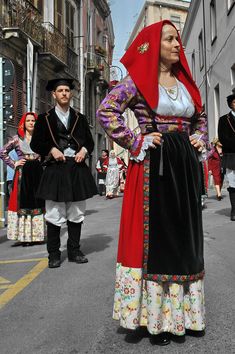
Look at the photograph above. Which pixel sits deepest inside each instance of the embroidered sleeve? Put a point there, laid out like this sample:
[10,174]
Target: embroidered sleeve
[4,152]
[110,113]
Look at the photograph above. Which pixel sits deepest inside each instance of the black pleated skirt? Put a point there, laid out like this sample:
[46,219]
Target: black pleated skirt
[67,182]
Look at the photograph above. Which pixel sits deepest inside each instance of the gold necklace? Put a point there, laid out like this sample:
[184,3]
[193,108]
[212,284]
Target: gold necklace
[170,91]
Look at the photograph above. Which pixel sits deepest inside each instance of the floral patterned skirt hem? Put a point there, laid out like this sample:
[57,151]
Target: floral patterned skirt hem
[26,228]
[161,307]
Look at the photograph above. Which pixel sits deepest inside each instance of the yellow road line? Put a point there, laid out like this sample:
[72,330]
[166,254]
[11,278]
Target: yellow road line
[6,286]
[4,280]
[22,260]
[10,293]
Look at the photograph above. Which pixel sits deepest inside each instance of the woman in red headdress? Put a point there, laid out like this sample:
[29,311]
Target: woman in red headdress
[160,266]
[25,211]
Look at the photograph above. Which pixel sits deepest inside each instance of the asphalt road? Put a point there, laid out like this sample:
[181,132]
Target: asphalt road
[69,310]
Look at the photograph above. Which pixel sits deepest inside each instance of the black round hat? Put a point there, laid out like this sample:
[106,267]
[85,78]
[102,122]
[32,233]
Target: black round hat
[53,84]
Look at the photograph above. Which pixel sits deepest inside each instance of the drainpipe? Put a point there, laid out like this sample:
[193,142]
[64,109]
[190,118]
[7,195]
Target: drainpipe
[205,58]
[81,57]
[35,77]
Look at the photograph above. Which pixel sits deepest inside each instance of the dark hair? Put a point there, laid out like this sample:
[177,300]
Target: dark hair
[230,99]
[104,150]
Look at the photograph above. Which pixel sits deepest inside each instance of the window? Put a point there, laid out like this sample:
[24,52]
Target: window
[232,73]
[70,24]
[230,4]
[38,4]
[201,50]
[59,15]
[217,104]
[213,21]
[193,66]
[176,21]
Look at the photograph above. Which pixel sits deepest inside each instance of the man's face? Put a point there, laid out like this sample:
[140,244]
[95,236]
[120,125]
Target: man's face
[233,105]
[62,95]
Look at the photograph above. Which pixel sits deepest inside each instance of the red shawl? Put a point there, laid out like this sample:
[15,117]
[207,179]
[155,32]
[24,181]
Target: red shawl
[142,60]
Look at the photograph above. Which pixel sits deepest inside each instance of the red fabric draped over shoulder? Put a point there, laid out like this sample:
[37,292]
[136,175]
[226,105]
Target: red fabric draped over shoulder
[142,60]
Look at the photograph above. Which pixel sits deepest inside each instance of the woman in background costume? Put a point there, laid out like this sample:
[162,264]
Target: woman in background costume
[25,211]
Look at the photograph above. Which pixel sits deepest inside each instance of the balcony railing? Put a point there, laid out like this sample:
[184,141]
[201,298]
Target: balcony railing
[72,63]
[54,42]
[99,65]
[21,14]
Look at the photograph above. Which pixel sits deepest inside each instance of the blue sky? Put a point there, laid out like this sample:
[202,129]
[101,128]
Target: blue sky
[124,15]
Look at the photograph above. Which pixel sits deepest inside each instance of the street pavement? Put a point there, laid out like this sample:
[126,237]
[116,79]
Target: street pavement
[68,310]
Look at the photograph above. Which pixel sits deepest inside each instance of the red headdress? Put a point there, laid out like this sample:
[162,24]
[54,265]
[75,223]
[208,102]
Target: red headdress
[142,59]
[21,126]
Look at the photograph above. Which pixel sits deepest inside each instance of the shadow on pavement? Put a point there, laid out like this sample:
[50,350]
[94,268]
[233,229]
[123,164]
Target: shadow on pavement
[95,243]
[91,211]
[225,212]
[134,336]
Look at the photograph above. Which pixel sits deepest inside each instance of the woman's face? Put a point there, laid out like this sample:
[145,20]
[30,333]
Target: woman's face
[112,155]
[29,123]
[170,46]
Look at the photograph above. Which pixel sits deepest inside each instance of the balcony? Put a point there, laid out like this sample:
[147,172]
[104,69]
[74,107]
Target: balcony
[72,63]
[20,19]
[98,65]
[54,44]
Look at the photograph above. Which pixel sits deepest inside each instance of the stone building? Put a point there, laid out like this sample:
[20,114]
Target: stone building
[209,37]
[45,39]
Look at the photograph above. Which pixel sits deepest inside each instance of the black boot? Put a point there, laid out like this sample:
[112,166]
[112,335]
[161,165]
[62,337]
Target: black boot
[73,244]
[231,191]
[53,245]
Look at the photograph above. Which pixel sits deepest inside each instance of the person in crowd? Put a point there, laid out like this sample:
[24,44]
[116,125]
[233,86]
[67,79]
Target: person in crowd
[112,165]
[123,176]
[25,211]
[101,174]
[215,166]
[226,134]
[160,264]
[63,138]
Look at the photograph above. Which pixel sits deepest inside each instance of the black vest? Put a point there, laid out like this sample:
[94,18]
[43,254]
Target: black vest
[65,140]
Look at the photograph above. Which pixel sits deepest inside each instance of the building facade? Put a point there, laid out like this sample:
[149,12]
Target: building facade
[46,39]
[209,37]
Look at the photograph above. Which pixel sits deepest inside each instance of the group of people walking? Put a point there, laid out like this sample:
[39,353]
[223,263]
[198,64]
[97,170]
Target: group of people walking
[160,263]
[51,181]
[111,174]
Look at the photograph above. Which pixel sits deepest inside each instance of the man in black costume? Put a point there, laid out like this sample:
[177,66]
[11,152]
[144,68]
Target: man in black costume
[63,138]
[226,133]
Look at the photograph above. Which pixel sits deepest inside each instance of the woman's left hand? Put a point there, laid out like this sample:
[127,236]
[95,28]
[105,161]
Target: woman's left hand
[198,144]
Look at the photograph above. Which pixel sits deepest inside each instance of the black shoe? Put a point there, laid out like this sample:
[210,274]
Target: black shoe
[192,333]
[219,197]
[161,339]
[54,263]
[232,217]
[78,258]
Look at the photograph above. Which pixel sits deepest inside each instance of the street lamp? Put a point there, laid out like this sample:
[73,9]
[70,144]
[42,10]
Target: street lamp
[114,75]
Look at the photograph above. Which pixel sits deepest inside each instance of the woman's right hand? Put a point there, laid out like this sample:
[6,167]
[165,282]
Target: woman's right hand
[157,138]
[20,162]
